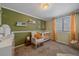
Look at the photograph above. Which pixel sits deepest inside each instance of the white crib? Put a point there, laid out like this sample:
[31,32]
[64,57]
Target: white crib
[6,41]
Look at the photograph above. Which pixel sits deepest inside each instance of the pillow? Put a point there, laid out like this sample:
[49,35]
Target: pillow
[73,41]
[37,35]
[46,35]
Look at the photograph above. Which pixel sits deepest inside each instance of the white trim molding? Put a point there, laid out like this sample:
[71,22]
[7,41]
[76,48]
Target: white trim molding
[26,31]
[62,42]
[19,46]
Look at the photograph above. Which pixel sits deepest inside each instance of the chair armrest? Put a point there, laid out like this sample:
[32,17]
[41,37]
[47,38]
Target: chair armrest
[33,40]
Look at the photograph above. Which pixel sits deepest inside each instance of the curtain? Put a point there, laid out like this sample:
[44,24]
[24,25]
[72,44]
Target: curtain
[73,27]
[54,28]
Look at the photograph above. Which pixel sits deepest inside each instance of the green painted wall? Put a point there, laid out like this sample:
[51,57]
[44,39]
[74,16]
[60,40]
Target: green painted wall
[11,17]
[20,38]
[0,14]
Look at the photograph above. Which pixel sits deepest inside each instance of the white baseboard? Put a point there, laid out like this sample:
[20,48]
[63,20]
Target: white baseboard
[62,42]
[19,45]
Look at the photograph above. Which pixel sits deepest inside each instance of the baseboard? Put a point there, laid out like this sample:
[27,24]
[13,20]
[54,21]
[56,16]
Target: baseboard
[62,43]
[19,46]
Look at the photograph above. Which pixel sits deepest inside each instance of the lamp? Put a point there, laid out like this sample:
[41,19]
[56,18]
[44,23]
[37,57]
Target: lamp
[44,6]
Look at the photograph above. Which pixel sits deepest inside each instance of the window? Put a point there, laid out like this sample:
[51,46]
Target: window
[59,24]
[63,24]
[67,23]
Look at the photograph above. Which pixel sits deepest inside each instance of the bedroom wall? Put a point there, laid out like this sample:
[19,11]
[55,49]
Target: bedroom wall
[0,14]
[63,37]
[10,17]
[77,24]
[49,26]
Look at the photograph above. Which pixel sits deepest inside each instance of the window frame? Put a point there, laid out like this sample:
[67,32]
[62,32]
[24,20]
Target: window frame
[63,26]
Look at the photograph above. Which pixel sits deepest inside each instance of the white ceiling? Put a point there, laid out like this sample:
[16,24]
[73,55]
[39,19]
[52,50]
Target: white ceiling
[34,9]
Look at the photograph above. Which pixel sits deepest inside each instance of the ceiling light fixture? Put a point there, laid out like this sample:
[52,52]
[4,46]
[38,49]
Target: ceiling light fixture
[44,6]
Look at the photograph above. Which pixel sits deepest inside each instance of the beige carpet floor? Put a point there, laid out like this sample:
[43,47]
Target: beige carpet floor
[49,48]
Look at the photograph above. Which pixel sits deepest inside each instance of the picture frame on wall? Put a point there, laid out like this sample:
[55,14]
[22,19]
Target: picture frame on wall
[21,24]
